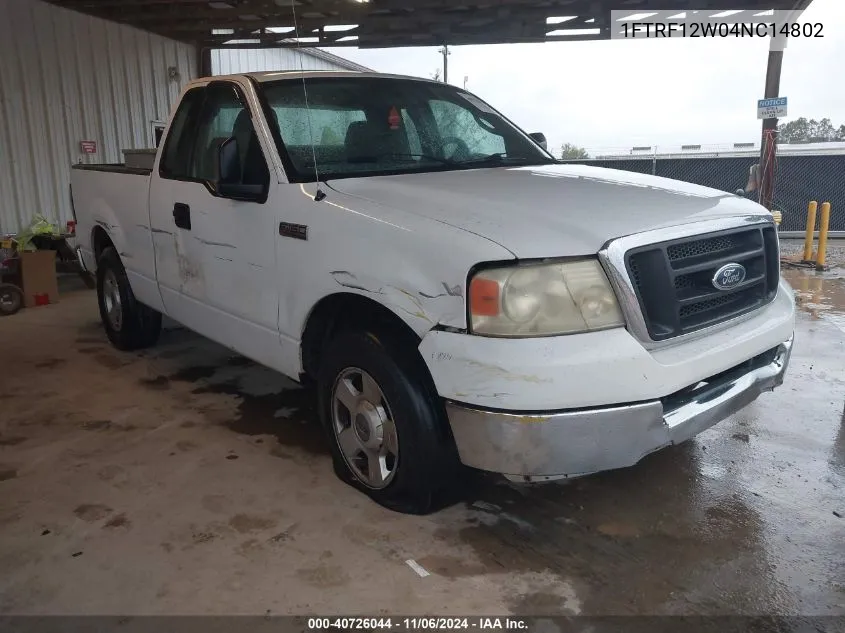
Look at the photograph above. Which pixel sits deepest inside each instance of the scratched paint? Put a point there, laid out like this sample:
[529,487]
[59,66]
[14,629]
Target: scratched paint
[399,299]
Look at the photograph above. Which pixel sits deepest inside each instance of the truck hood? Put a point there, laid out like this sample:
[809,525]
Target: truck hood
[549,210]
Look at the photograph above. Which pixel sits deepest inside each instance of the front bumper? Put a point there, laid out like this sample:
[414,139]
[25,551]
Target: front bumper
[583,441]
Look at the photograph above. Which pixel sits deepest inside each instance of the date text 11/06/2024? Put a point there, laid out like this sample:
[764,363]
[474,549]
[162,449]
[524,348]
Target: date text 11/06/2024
[417,624]
[712,29]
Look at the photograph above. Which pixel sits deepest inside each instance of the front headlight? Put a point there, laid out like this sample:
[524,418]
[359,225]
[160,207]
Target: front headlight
[542,300]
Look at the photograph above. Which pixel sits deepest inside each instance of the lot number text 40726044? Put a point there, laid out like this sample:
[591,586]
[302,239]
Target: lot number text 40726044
[418,624]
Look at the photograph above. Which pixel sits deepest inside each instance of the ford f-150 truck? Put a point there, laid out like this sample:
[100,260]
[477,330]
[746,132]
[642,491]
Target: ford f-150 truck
[454,292]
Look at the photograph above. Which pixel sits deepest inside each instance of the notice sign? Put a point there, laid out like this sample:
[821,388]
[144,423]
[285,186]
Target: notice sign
[88,147]
[771,108]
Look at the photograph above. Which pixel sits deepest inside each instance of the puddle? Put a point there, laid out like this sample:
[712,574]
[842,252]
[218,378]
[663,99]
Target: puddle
[600,531]
[821,296]
[298,427]
[193,374]
[7,473]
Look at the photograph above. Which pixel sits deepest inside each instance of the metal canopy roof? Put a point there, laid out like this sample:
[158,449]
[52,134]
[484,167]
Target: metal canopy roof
[384,23]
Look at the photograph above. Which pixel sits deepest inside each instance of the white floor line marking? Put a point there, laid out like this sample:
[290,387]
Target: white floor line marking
[417,567]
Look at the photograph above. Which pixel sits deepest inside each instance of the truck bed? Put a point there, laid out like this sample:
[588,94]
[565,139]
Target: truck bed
[113,198]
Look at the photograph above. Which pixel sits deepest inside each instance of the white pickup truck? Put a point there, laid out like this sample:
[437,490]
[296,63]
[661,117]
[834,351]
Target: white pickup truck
[456,294]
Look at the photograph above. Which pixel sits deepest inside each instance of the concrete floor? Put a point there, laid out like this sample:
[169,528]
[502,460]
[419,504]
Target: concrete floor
[187,480]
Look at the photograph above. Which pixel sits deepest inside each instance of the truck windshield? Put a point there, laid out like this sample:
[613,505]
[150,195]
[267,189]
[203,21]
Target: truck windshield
[378,126]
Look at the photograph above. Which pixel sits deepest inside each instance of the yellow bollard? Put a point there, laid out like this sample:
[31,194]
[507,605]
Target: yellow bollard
[824,225]
[811,229]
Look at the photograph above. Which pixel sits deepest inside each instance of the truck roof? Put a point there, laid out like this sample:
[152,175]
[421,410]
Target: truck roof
[313,74]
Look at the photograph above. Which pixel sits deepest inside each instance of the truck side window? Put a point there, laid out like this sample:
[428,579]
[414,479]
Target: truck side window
[177,148]
[225,116]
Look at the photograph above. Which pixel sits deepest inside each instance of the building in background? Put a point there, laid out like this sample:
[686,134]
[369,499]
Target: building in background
[78,89]
[225,62]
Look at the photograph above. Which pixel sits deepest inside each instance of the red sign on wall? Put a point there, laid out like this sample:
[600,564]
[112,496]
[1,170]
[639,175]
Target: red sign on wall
[88,147]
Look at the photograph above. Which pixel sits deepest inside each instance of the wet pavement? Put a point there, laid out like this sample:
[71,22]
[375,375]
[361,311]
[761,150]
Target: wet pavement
[187,479]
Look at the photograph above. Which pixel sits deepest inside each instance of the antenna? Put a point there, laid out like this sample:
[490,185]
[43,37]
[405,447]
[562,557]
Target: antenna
[319,195]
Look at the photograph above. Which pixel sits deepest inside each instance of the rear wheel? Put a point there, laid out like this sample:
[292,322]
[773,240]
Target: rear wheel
[386,425]
[11,299]
[129,325]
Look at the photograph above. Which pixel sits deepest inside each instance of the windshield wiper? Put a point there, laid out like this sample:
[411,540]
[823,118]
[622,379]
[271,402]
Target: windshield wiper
[501,158]
[376,158]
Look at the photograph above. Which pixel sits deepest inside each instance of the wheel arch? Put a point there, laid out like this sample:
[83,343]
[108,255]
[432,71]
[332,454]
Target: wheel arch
[347,310]
[100,241]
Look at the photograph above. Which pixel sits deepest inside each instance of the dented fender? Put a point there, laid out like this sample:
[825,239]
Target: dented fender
[415,267]
[426,310]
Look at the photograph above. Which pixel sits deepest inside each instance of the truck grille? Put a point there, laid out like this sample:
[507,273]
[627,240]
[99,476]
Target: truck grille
[673,280]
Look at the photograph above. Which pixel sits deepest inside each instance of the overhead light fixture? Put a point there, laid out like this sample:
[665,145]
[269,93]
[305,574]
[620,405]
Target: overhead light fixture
[222,31]
[348,38]
[725,14]
[279,29]
[340,27]
[571,32]
[242,42]
[305,40]
[559,20]
[636,16]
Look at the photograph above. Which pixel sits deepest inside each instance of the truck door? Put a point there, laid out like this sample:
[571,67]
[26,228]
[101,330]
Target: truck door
[228,287]
[177,253]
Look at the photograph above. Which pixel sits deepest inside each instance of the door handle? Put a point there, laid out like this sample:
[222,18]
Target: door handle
[182,216]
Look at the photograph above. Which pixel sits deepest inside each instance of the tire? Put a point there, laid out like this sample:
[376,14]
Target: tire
[11,299]
[415,479]
[129,325]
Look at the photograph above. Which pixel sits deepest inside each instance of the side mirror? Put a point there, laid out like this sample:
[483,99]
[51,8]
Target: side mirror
[540,139]
[230,175]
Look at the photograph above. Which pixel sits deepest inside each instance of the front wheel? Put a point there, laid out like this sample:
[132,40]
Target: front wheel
[129,325]
[387,427]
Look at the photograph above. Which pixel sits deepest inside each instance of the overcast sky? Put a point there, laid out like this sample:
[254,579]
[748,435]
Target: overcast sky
[645,92]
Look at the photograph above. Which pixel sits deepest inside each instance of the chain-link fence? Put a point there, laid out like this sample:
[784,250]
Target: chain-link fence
[802,174]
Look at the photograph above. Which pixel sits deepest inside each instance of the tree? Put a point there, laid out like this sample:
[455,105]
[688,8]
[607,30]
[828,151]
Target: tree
[810,131]
[568,151]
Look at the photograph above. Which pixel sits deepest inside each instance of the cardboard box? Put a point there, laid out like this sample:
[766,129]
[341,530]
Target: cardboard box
[38,276]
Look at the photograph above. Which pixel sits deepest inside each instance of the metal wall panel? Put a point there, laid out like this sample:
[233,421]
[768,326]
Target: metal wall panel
[64,78]
[249,60]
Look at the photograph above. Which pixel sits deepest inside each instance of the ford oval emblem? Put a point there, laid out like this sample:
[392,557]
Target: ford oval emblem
[729,276]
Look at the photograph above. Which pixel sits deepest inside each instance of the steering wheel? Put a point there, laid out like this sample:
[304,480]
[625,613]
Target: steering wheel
[461,152]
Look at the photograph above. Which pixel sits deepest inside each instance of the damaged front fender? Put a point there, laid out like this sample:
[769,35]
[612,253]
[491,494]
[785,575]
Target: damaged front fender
[424,308]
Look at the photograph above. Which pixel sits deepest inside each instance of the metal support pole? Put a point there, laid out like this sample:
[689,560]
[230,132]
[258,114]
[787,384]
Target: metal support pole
[445,52]
[810,235]
[204,61]
[824,225]
[770,126]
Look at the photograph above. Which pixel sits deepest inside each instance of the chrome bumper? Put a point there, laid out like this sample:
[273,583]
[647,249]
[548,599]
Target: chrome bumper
[551,445]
